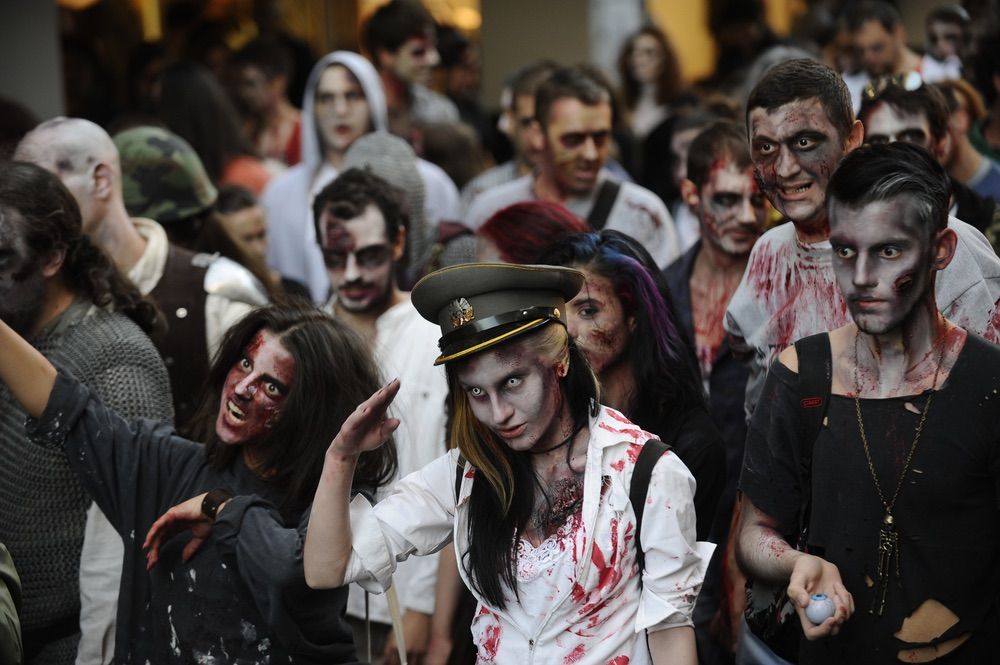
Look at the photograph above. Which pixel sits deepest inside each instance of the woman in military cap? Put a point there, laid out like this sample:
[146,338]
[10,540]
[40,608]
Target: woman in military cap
[535,493]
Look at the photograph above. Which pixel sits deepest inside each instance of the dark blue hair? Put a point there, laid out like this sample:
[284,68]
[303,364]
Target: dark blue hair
[663,365]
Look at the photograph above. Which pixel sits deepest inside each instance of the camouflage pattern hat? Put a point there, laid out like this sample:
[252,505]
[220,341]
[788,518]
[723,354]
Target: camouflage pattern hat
[162,177]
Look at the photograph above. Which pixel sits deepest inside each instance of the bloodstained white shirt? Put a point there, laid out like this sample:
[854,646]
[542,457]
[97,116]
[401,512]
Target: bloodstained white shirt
[789,291]
[597,613]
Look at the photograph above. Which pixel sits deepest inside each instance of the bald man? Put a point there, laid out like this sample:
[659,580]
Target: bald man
[194,291]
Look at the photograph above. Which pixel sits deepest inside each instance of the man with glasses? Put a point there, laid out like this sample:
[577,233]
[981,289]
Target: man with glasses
[359,228]
[573,135]
[912,112]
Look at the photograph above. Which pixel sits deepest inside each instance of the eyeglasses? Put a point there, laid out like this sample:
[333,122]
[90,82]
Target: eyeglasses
[908,81]
[576,139]
[372,256]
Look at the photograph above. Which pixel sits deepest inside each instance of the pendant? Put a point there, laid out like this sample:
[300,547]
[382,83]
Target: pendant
[888,556]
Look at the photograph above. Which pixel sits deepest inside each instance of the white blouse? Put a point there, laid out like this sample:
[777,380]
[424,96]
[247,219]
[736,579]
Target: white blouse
[594,607]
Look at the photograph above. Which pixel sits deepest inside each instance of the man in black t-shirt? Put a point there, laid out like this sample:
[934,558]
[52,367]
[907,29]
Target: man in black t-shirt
[903,473]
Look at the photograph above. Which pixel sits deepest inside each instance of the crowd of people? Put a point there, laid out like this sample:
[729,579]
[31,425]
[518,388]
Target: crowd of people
[309,360]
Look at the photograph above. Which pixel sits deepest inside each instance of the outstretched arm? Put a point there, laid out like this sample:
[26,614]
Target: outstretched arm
[765,554]
[328,539]
[27,373]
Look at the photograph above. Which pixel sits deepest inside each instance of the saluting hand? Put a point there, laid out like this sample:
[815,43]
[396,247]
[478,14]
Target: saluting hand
[367,427]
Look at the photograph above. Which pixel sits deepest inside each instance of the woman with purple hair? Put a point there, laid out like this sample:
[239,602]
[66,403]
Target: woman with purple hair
[623,322]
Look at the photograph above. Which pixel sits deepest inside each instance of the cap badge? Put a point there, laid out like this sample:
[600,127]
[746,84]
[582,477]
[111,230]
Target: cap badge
[461,312]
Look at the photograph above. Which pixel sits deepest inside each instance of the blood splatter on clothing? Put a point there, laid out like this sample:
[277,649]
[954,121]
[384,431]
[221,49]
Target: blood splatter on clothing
[789,291]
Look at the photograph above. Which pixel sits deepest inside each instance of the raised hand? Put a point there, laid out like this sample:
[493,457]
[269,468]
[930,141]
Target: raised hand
[181,517]
[367,427]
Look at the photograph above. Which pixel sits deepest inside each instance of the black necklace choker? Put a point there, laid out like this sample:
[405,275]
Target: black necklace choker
[560,444]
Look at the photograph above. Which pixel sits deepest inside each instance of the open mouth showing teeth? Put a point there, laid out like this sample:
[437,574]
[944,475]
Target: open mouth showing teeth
[796,190]
[233,410]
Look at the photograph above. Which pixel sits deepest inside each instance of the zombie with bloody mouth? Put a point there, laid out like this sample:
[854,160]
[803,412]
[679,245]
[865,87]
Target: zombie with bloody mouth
[535,494]
[222,578]
[800,125]
[903,531]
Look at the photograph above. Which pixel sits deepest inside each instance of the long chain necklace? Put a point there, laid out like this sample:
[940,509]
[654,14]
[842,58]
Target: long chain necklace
[888,537]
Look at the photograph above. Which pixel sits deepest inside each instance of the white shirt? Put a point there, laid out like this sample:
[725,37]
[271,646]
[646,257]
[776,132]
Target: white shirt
[601,616]
[636,212]
[405,348]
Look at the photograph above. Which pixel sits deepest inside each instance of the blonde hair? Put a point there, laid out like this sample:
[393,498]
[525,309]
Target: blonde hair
[477,443]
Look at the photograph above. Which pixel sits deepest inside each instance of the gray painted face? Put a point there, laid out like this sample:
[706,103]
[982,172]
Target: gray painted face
[882,260]
[22,285]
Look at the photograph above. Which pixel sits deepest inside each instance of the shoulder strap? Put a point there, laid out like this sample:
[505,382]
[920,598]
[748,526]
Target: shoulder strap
[605,200]
[652,450]
[815,376]
[459,473]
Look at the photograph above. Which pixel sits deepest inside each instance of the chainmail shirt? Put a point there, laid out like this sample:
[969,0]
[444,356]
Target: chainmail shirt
[42,503]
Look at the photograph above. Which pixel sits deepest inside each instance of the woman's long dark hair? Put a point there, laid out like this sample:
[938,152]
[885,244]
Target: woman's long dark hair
[334,372]
[669,82]
[663,366]
[52,223]
[194,105]
[504,491]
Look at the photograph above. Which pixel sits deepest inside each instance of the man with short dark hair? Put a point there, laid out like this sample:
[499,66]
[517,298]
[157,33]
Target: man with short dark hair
[892,112]
[800,125]
[261,70]
[947,40]
[880,39]
[401,40]
[902,529]
[517,121]
[359,227]
[344,101]
[573,116]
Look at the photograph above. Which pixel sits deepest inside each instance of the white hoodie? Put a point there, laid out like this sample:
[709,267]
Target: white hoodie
[287,201]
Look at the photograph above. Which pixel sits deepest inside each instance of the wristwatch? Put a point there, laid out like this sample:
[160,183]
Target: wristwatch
[215,498]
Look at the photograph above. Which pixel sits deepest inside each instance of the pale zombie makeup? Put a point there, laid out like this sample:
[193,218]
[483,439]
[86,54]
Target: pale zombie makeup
[22,284]
[578,137]
[944,40]
[886,124]
[515,392]
[731,208]
[795,149]
[882,262]
[255,390]
[359,260]
[597,322]
[341,108]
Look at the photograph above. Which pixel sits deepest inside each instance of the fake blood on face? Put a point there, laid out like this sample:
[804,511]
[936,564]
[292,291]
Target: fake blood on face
[254,390]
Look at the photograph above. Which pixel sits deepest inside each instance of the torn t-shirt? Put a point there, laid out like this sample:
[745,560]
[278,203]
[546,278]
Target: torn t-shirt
[946,512]
[789,291]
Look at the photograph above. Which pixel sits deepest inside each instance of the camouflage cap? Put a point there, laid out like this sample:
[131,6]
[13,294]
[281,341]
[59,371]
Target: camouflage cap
[162,177]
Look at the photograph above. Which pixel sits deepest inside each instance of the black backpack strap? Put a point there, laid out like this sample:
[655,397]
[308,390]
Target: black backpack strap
[459,473]
[815,376]
[606,195]
[651,452]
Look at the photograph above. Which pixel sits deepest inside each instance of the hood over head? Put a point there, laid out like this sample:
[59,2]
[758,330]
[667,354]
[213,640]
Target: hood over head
[370,83]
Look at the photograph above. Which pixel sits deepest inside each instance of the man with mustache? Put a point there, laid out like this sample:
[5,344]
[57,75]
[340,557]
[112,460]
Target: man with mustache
[359,227]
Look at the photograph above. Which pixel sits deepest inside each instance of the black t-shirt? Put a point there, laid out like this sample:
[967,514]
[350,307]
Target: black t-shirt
[946,512]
